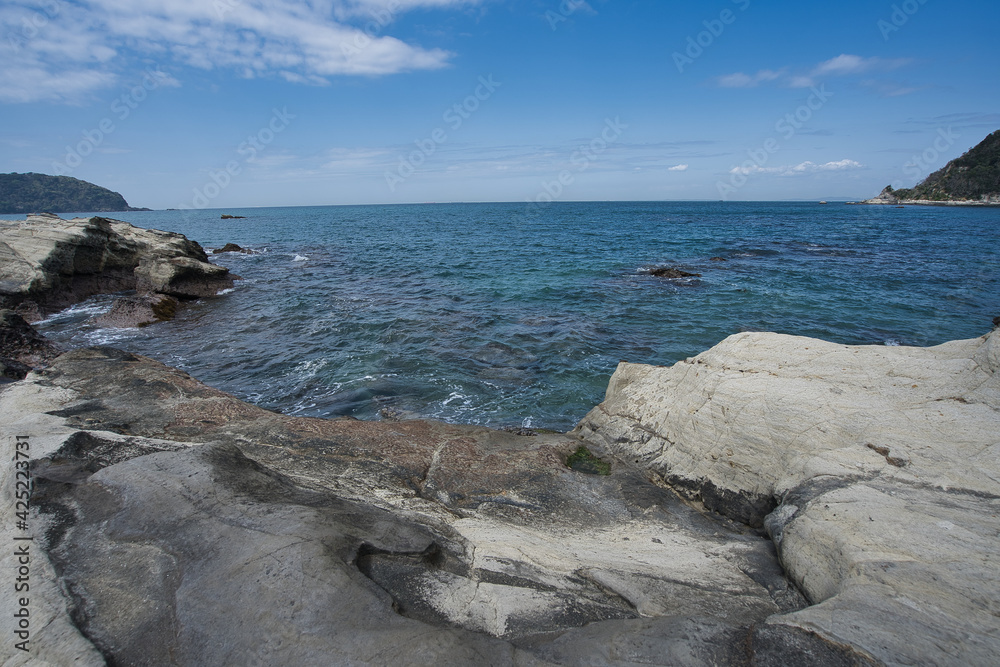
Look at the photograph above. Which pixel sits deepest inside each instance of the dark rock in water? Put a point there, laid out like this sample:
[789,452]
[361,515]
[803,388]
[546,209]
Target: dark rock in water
[501,355]
[21,347]
[996,322]
[139,311]
[718,259]
[226,216]
[672,272]
[231,247]
[47,263]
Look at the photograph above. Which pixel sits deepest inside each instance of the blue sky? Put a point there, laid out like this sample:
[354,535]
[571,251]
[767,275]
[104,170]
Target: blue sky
[228,103]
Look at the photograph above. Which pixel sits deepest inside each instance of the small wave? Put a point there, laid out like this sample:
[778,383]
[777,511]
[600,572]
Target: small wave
[87,308]
[892,342]
[300,258]
[455,396]
[306,370]
[112,335]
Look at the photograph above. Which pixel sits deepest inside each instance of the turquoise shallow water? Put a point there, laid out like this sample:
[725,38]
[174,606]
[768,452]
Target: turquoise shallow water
[502,315]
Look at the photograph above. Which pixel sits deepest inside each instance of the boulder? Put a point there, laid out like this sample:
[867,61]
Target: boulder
[672,272]
[231,247]
[47,263]
[874,469]
[21,347]
[181,277]
[139,310]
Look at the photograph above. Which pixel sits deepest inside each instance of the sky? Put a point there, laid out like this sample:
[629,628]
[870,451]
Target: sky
[239,103]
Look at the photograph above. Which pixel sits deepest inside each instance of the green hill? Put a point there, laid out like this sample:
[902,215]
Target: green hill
[35,193]
[974,175]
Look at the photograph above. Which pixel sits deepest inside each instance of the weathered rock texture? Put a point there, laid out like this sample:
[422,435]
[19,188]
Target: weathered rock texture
[138,311]
[876,470]
[187,527]
[175,524]
[21,347]
[47,263]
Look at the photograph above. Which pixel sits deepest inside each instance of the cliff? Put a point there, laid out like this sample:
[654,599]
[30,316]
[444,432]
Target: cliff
[972,179]
[35,193]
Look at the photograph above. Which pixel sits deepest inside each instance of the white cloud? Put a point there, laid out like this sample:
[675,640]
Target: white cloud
[807,167]
[843,65]
[679,167]
[848,64]
[65,51]
[741,80]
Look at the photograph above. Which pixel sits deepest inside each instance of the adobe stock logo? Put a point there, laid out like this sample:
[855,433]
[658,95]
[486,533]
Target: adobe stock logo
[455,116]
[714,28]
[900,16]
[122,107]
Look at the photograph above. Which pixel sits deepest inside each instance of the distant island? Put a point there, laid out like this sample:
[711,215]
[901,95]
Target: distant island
[970,180]
[35,193]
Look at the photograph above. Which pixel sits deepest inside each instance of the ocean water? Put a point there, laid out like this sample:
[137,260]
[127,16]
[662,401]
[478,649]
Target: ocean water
[504,315]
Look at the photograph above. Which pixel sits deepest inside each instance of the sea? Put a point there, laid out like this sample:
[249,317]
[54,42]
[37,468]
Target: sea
[514,315]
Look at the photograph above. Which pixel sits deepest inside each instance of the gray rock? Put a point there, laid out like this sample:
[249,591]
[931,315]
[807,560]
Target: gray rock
[21,347]
[47,263]
[188,526]
[873,468]
[139,310]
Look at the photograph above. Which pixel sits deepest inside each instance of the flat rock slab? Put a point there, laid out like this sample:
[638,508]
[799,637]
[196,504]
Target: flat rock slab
[875,469]
[186,527]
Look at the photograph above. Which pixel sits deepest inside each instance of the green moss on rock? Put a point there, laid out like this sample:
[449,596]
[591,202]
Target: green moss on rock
[583,461]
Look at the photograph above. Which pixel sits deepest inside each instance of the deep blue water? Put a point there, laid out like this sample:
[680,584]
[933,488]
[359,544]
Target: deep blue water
[500,315]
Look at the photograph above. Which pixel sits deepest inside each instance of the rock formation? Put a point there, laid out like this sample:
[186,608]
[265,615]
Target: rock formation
[175,524]
[47,263]
[972,179]
[874,469]
[187,527]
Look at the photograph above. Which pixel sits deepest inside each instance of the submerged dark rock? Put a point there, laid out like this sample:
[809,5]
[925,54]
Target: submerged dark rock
[231,247]
[672,272]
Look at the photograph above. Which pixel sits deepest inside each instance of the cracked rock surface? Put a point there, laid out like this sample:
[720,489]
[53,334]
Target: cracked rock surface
[876,470]
[178,525]
[183,526]
[47,263]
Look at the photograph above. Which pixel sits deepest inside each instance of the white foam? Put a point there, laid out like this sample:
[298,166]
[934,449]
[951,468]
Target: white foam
[86,308]
[300,258]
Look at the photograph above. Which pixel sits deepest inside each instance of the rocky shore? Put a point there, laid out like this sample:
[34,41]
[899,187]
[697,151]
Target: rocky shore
[775,500]
[886,197]
[47,263]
